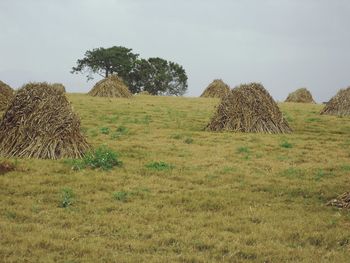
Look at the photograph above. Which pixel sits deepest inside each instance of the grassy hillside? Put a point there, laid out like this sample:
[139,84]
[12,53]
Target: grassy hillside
[216,197]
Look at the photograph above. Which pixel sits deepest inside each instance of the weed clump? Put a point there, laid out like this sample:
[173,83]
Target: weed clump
[67,197]
[100,158]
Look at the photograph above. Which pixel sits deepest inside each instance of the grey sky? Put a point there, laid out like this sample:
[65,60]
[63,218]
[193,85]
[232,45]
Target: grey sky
[284,44]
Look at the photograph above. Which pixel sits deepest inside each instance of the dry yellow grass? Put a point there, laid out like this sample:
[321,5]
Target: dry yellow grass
[229,197]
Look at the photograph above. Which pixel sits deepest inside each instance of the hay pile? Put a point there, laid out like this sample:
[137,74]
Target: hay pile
[217,89]
[302,95]
[112,87]
[40,123]
[249,108]
[342,201]
[59,86]
[339,105]
[6,95]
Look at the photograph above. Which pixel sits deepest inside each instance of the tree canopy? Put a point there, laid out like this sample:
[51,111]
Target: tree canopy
[105,61]
[155,75]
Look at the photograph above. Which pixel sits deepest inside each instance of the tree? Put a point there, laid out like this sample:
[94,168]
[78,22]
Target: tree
[158,76]
[155,75]
[106,61]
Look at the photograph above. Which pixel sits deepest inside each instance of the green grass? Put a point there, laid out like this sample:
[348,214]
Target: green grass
[159,166]
[224,197]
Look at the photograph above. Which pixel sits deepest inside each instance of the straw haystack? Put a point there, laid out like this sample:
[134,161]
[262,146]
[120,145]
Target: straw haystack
[339,105]
[249,108]
[302,95]
[112,87]
[59,87]
[217,89]
[6,95]
[40,123]
[342,201]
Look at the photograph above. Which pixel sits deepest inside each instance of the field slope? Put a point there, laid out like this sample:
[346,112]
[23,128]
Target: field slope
[213,197]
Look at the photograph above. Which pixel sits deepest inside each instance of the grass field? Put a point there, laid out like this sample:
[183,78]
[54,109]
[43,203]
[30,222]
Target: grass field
[183,194]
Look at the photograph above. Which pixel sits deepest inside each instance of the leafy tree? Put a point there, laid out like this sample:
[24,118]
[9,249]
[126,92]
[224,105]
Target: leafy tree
[158,76]
[106,61]
[155,75]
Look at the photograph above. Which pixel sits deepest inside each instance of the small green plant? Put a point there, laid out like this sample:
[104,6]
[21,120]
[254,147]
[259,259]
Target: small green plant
[243,150]
[102,157]
[11,215]
[159,166]
[176,136]
[67,197]
[104,130]
[188,140]
[121,196]
[121,130]
[286,144]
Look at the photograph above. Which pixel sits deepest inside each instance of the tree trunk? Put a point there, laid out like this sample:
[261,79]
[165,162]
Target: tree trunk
[107,73]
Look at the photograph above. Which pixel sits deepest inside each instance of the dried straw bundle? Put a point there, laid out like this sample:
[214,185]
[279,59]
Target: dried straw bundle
[249,108]
[59,86]
[112,86]
[301,96]
[217,89]
[40,123]
[339,105]
[6,95]
[342,201]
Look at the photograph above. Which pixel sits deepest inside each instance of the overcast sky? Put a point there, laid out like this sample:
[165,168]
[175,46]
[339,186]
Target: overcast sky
[284,44]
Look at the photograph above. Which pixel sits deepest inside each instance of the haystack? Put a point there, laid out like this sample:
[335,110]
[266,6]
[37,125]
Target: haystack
[339,105]
[217,89]
[40,123]
[6,95]
[302,95]
[112,86]
[342,201]
[249,108]
[59,87]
